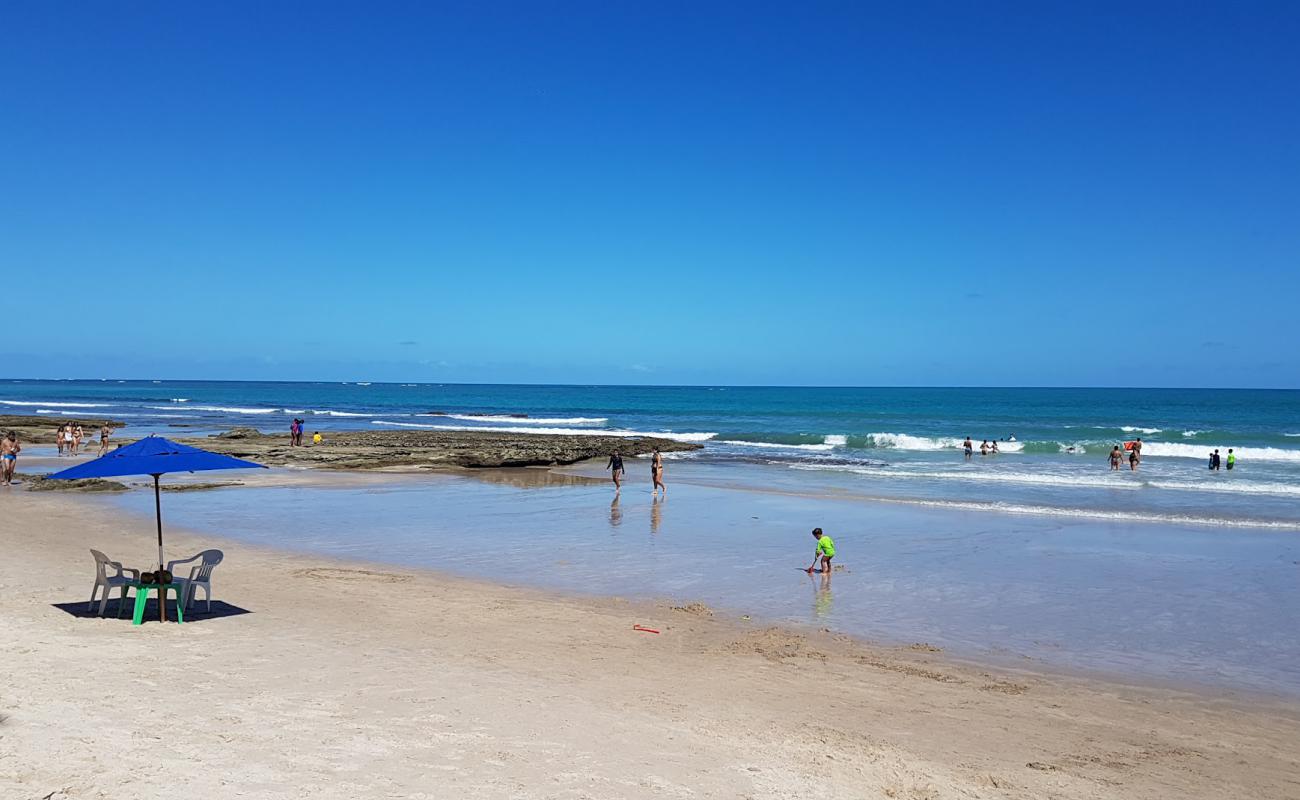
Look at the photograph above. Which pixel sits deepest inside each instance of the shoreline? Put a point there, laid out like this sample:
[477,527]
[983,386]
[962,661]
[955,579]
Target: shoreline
[993,654]
[505,690]
[734,619]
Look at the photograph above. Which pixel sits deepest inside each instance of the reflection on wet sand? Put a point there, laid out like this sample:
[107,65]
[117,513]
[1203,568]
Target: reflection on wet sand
[615,514]
[821,586]
[656,515]
[530,477]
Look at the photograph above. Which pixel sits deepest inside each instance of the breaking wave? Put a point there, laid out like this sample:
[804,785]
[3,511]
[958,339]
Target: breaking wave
[904,441]
[522,420]
[221,409]
[54,405]
[680,437]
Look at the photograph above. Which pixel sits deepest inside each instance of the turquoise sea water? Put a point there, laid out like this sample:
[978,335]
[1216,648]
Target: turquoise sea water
[893,443]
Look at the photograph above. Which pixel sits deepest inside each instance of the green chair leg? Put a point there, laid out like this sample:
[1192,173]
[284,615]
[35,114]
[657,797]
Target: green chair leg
[141,597]
[180,607]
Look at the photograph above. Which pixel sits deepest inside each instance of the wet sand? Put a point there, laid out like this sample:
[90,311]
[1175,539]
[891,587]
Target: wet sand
[326,678]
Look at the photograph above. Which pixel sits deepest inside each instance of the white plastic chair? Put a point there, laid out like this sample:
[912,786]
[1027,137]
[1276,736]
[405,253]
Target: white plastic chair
[102,578]
[200,576]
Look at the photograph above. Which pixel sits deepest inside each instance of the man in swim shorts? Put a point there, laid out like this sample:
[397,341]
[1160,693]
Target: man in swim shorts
[9,450]
[825,551]
[1232,459]
[967,447]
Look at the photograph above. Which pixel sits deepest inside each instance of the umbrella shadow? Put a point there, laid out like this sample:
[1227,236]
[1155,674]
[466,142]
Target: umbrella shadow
[197,613]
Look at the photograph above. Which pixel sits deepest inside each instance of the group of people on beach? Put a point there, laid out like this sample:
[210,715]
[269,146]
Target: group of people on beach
[296,431]
[1216,462]
[70,435]
[987,447]
[615,466]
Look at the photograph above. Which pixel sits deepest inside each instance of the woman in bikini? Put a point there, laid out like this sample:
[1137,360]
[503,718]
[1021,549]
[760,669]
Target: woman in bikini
[657,473]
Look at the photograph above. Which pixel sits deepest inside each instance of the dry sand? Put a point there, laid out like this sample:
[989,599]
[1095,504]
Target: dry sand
[361,681]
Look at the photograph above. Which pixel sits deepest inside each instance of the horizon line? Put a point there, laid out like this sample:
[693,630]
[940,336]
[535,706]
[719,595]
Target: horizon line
[666,385]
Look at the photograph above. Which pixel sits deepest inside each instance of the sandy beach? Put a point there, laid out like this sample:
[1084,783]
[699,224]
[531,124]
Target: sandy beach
[324,678]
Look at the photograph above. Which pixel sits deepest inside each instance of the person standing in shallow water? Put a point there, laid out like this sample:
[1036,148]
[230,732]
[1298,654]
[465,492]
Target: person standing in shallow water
[1115,457]
[616,466]
[1135,454]
[657,473]
[968,448]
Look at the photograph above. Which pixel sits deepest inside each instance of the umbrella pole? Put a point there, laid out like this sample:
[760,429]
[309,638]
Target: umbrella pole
[162,593]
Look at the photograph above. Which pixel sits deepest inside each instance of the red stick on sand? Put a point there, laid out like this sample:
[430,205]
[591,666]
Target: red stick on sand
[644,630]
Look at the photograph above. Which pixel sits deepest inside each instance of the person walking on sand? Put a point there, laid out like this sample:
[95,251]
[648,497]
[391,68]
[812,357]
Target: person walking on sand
[825,551]
[69,446]
[104,433]
[967,448]
[1135,454]
[58,439]
[78,436]
[616,466]
[1115,457]
[9,450]
[657,472]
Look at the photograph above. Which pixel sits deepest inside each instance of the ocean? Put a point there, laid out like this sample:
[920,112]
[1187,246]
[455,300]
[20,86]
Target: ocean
[895,444]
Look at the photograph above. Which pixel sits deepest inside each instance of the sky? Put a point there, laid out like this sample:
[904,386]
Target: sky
[1086,194]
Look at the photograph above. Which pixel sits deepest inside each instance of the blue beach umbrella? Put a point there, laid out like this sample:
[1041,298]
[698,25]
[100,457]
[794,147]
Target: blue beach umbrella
[154,456]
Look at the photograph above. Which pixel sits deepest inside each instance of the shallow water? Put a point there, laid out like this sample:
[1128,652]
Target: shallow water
[1142,600]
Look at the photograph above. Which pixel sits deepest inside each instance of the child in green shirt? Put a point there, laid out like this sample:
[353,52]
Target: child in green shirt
[825,551]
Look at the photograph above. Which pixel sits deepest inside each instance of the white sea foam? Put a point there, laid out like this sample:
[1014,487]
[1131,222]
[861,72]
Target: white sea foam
[778,446]
[680,437]
[1136,429]
[837,441]
[54,405]
[326,412]
[1293,435]
[1190,434]
[522,420]
[1202,451]
[903,441]
[1092,513]
[222,409]
[1121,480]
[180,399]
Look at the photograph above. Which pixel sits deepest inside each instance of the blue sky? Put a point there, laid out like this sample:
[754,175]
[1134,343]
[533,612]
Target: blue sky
[620,192]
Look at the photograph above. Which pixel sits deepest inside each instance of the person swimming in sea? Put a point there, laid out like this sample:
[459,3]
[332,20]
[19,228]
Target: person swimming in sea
[616,466]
